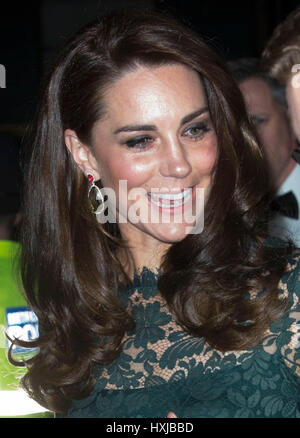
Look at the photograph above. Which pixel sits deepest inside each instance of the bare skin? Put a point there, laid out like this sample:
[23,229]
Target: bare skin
[156,135]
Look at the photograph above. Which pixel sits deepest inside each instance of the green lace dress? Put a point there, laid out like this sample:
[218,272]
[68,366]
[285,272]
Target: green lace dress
[162,369]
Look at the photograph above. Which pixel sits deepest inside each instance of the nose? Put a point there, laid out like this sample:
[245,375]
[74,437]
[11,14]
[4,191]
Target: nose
[174,162]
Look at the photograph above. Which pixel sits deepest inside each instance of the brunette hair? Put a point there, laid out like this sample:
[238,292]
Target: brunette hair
[283,49]
[70,271]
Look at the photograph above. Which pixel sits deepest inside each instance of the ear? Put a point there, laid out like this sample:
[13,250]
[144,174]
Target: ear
[82,154]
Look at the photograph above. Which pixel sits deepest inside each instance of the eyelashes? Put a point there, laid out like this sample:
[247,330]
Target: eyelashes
[194,132]
[140,142]
[197,130]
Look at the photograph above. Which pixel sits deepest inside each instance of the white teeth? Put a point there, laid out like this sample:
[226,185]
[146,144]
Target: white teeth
[168,200]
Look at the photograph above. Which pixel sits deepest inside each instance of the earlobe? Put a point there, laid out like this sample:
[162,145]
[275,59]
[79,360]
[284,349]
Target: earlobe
[81,154]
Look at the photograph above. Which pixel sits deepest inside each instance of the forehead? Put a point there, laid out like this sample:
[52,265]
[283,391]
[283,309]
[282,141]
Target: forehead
[257,94]
[149,91]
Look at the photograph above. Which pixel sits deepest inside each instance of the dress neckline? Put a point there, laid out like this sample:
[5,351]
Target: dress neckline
[144,281]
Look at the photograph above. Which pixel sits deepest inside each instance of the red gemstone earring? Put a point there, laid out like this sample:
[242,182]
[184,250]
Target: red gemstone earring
[97,195]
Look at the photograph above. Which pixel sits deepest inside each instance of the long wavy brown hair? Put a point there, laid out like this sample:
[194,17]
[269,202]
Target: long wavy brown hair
[70,269]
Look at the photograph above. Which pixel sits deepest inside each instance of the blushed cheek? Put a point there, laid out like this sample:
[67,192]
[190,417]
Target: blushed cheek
[209,158]
[133,172]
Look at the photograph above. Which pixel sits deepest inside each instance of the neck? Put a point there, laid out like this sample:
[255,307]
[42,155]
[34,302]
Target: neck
[151,261]
[142,258]
[140,253]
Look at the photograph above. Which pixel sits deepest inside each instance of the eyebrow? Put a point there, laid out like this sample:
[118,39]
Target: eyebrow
[186,119]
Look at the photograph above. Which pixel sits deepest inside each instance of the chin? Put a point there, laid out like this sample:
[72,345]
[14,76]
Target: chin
[172,233]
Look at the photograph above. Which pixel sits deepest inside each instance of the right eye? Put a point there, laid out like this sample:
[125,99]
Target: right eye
[141,142]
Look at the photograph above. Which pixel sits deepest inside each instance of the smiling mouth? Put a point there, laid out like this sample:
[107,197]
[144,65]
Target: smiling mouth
[170,200]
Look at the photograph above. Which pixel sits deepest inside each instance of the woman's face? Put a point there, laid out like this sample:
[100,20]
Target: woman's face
[157,136]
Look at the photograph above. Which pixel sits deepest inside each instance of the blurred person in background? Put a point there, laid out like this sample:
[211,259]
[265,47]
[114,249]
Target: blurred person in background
[266,104]
[16,319]
[281,57]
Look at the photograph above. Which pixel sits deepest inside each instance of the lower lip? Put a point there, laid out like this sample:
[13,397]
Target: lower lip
[179,208]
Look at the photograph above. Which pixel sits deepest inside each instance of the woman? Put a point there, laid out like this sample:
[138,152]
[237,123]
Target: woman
[153,314]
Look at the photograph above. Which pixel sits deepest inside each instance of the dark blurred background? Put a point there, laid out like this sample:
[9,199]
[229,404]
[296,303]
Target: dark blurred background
[32,31]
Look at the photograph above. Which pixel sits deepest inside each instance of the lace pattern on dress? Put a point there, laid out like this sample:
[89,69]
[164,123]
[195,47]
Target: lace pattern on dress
[284,335]
[159,351]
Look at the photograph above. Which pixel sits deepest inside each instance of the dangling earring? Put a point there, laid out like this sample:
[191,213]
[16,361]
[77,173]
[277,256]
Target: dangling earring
[97,196]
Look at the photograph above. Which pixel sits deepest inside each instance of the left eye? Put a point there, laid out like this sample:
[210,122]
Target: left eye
[196,131]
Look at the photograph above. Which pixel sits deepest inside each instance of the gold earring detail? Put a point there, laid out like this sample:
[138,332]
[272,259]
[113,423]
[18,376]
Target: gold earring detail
[95,196]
